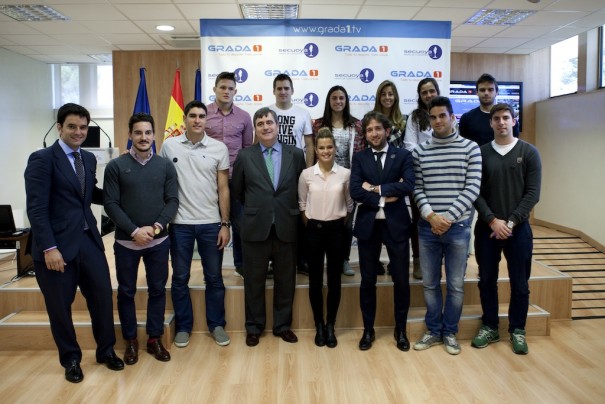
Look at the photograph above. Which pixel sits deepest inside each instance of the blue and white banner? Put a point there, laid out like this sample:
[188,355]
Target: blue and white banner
[318,54]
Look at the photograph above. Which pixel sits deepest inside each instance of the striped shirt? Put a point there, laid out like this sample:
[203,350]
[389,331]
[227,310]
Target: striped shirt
[448,176]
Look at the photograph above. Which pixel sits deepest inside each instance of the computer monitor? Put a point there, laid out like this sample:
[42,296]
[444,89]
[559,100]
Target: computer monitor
[93,139]
[7,221]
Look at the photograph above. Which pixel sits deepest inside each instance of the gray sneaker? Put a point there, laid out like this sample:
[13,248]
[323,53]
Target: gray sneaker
[517,339]
[220,336]
[428,340]
[181,339]
[451,345]
[346,269]
[485,336]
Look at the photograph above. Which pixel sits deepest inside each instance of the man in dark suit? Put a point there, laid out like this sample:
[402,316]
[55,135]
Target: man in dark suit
[381,177]
[265,180]
[67,247]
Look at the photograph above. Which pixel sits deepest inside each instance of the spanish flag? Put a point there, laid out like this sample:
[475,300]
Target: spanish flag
[174,120]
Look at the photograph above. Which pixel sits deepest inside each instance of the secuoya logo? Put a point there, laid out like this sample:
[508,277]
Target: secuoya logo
[435,52]
[241,75]
[311,99]
[311,50]
[366,75]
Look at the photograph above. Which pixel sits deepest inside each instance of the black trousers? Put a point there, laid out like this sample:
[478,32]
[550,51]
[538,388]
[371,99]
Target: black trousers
[90,272]
[325,238]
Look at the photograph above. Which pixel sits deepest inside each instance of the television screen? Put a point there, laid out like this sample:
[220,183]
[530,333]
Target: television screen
[463,95]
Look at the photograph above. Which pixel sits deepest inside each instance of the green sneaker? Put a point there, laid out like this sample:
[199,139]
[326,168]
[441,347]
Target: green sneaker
[517,339]
[428,340]
[485,336]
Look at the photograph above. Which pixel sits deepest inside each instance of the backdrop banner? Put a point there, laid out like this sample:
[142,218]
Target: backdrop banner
[318,54]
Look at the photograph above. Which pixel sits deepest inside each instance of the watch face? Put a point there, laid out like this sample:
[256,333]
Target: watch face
[156,231]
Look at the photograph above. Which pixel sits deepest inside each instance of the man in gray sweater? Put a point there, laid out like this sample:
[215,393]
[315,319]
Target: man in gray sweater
[510,188]
[141,197]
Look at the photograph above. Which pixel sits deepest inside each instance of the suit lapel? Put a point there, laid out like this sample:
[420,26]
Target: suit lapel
[65,167]
[389,160]
[286,162]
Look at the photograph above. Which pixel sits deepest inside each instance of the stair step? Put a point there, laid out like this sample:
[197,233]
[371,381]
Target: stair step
[30,330]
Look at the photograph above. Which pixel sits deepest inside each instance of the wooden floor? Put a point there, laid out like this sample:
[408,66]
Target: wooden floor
[567,367]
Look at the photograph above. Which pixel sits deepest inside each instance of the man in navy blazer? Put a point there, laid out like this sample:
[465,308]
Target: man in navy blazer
[265,180]
[381,177]
[60,183]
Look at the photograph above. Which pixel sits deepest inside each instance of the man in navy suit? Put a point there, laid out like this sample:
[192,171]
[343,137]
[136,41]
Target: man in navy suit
[265,180]
[381,177]
[67,247]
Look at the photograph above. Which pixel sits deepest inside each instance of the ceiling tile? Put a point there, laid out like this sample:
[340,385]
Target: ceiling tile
[140,47]
[499,42]
[478,31]
[113,27]
[181,27]
[57,27]
[156,12]
[320,11]
[82,12]
[32,39]
[575,5]
[519,31]
[466,41]
[487,50]
[193,11]
[456,15]
[557,18]
[129,39]
[388,13]
[14,28]
[82,39]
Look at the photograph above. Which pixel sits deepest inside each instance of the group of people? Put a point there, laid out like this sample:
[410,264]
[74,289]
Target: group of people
[276,182]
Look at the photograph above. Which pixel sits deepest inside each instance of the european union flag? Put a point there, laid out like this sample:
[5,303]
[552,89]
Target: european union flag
[198,85]
[142,102]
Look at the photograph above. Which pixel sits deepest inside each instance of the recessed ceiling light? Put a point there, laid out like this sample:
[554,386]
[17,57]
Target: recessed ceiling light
[165,28]
[32,12]
[499,17]
[269,11]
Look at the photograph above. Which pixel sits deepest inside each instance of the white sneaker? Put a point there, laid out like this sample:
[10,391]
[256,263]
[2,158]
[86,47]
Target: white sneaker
[451,345]
[428,340]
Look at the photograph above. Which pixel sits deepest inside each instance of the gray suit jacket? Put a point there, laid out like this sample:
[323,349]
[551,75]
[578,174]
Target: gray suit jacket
[253,187]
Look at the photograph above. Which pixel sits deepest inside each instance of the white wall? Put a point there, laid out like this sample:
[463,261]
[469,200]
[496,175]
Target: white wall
[25,116]
[570,135]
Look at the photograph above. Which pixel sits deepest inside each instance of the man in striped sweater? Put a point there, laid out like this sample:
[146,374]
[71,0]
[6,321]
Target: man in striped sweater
[448,179]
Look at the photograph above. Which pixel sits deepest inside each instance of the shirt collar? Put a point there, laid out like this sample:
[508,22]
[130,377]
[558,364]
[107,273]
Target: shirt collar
[184,139]
[68,150]
[276,146]
[136,157]
[317,170]
[384,149]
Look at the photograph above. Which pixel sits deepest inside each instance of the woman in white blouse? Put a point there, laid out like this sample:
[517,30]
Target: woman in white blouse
[325,203]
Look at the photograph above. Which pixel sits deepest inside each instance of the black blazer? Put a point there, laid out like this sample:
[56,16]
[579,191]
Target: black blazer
[252,186]
[55,207]
[397,180]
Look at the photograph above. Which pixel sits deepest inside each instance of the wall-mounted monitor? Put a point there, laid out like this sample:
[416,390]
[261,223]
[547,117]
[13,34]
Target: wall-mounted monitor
[463,95]
[93,139]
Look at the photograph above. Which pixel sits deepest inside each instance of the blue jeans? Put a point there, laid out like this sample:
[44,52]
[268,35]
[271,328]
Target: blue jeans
[453,245]
[156,271]
[182,239]
[518,252]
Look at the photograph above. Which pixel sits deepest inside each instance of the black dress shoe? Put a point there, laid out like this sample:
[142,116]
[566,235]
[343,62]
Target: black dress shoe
[131,356]
[287,335]
[367,338]
[320,335]
[402,340]
[112,361]
[73,372]
[156,348]
[252,339]
[331,341]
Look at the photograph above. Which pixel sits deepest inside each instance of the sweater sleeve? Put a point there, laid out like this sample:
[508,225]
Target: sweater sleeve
[111,194]
[171,196]
[531,193]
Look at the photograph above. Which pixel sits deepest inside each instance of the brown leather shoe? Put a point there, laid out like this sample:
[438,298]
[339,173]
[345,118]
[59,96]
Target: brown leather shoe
[287,335]
[157,349]
[131,356]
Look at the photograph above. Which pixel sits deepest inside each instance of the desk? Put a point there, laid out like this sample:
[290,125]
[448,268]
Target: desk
[24,261]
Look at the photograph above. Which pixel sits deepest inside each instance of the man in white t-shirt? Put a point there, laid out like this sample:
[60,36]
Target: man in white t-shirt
[294,128]
[294,123]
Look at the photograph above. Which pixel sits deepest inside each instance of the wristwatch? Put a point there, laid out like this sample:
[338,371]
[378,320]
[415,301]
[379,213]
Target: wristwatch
[226,224]
[372,188]
[156,229]
[510,224]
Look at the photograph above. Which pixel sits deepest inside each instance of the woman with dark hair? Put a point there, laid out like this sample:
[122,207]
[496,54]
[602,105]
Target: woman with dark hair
[348,140]
[387,103]
[325,203]
[419,131]
[419,128]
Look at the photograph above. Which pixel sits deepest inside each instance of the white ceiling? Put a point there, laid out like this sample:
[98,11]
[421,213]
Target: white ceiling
[101,26]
